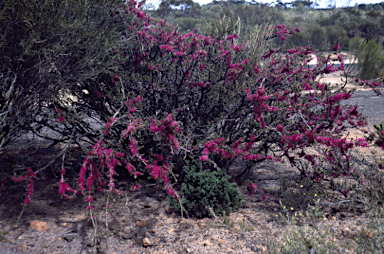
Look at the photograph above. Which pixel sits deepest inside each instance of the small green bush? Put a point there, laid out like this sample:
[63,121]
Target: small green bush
[371,60]
[201,189]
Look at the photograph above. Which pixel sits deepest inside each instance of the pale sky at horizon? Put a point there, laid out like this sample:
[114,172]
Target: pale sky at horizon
[322,3]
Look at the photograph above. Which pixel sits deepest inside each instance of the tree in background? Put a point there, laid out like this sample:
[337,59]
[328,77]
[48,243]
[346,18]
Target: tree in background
[179,8]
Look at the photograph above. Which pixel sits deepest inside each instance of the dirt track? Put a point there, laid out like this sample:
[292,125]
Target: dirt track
[369,104]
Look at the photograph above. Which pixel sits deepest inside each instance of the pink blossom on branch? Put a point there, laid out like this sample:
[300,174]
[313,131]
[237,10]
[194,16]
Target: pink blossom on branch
[60,118]
[135,187]
[28,179]
[336,47]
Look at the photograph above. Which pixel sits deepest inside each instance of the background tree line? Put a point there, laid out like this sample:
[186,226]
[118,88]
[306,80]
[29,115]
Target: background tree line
[320,28]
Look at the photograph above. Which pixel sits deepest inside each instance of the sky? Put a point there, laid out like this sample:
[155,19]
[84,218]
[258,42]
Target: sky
[322,3]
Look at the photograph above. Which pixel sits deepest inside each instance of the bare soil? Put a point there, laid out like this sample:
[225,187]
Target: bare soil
[142,222]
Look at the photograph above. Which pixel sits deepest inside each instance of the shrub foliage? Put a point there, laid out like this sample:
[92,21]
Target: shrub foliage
[371,59]
[202,189]
[50,52]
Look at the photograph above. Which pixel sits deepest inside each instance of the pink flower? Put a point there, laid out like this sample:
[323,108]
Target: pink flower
[165,180]
[90,182]
[171,191]
[291,51]
[61,118]
[159,157]
[26,201]
[132,147]
[135,187]
[336,48]
[167,48]
[115,78]
[234,36]
[130,168]
[153,127]
[137,173]
[252,186]
[64,187]
[89,198]
[138,99]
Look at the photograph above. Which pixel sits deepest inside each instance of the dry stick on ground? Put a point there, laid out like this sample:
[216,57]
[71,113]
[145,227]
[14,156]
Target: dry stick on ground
[253,247]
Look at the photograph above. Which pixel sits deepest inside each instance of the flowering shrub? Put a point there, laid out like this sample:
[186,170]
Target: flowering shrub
[200,98]
[204,98]
[231,105]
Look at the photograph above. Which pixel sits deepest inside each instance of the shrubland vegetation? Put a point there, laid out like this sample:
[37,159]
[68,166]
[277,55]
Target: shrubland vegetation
[321,29]
[239,90]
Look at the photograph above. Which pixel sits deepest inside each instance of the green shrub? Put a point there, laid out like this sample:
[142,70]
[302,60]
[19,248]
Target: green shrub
[317,35]
[336,34]
[354,44]
[299,39]
[371,60]
[201,189]
[187,24]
